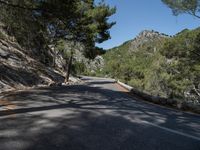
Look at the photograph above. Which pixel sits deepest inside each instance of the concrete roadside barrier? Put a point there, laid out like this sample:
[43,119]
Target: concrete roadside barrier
[177,104]
[129,88]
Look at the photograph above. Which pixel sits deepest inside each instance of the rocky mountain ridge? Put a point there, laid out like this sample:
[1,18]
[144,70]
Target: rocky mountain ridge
[146,36]
[155,63]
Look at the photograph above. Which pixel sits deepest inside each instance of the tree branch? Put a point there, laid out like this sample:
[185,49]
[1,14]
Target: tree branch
[193,14]
[196,90]
[17,6]
[195,53]
[197,16]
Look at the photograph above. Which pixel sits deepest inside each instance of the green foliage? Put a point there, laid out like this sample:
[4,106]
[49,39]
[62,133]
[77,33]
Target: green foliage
[38,24]
[63,47]
[22,24]
[167,67]
[46,21]
[78,68]
[2,36]
[191,7]
[184,61]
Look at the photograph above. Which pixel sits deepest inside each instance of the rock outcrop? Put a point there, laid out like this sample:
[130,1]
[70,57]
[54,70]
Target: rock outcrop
[18,70]
[146,36]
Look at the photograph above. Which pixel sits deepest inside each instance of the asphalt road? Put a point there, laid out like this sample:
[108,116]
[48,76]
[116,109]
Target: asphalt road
[98,115]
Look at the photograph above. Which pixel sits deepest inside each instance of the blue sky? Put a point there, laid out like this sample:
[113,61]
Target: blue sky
[133,16]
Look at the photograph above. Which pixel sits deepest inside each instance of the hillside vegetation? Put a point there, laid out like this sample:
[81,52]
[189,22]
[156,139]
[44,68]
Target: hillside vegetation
[47,41]
[158,64]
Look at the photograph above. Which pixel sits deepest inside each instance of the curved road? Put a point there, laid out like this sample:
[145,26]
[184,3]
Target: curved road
[98,115]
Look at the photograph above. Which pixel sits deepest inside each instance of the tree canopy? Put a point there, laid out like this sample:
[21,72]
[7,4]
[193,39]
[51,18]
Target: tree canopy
[168,67]
[36,24]
[76,20]
[191,7]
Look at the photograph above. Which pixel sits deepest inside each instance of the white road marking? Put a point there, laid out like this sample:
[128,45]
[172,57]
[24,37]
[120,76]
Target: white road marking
[139,121]
[172,131]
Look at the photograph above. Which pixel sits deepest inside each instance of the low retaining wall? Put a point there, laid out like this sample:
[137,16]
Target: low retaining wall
[181,105]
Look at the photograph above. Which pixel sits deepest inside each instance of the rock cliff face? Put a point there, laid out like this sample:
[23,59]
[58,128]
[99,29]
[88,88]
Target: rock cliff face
[91,65]
[146,36]
[18,70]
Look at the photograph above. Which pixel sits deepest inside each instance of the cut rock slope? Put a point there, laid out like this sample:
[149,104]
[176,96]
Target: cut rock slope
[18,70]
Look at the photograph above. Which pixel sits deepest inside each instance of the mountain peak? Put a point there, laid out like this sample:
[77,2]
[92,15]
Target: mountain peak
[146,36]
[152,33]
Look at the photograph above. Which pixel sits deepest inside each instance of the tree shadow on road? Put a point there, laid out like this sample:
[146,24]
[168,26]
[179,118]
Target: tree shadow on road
[88,118]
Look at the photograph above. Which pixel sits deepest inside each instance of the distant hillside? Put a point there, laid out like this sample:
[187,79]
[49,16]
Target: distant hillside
[146,36]
[158,64]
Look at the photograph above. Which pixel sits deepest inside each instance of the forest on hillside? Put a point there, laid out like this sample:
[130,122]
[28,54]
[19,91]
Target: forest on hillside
[40,39]
[53,31]
[168,66]
[163,66]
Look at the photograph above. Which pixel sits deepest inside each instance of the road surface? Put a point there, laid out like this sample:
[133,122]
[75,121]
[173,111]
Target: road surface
[98,115]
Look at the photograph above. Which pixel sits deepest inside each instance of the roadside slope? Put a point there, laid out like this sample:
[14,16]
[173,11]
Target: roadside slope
[18,70]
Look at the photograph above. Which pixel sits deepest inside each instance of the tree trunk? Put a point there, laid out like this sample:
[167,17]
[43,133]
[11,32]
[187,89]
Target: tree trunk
[55,53]
[69,68]
[54,58]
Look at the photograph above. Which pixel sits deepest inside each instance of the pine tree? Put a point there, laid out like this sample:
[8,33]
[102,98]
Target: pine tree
[191,7]
[78,21]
